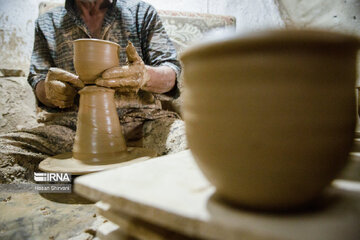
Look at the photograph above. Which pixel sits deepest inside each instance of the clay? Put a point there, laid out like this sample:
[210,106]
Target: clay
[98,134]
[65,162]
[128,78]
[99,54]
[61,87]
[99,143]
[18,105]
[281,125]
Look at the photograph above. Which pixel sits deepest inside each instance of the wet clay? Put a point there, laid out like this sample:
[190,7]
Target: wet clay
[65,162]
[98,134]
[129,78]
[93,56]
[99,142]
[270,117]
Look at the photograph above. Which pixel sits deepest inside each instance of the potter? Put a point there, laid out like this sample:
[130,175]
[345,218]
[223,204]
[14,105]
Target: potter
[56,83]
[99,143]
[282,122]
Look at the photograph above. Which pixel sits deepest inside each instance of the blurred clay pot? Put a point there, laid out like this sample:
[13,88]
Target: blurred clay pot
[93,56]
[270,117]
[98,136]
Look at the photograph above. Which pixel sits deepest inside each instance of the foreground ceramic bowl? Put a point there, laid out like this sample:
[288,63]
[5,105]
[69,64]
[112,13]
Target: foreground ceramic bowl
[93,56]
[270,117]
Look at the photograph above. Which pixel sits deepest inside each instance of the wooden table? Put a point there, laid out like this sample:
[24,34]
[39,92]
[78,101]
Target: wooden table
[170,193]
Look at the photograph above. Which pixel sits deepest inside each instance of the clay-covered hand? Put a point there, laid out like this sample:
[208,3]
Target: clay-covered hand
[61,87]
[128,78]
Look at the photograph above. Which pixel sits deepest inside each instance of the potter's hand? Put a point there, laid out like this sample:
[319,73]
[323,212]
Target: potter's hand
[61,87]
[129,78]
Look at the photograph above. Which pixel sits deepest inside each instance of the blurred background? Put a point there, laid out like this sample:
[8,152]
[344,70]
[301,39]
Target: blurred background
[17,19]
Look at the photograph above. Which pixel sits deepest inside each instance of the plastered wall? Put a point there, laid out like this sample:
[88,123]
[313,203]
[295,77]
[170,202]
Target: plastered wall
[335,15]
[17,19]
[250,14]
[339,15]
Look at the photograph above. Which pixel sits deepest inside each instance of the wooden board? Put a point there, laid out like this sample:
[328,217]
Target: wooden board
[136,227]
[171,192]
[111,231]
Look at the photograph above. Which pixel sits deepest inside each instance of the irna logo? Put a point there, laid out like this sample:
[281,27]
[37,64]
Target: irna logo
[52,177]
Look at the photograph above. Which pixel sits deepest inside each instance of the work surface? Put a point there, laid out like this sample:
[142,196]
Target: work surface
[171,192]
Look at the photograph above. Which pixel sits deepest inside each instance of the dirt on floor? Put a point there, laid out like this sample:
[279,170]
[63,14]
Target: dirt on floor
[30,215]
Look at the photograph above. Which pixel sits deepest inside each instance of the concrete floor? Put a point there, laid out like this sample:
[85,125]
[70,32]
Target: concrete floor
[29,215]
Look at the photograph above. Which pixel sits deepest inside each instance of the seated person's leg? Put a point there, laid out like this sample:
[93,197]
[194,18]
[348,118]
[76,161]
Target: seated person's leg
[22,151]
[165,135]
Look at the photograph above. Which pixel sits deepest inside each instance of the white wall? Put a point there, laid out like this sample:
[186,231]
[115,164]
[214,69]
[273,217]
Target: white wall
[334,15]
[16,32]
[17,19]
[200,6]
[250,14]
[338,15]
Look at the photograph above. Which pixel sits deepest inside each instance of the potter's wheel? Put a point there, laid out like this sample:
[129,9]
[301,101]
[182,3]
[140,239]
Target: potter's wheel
[99,143]
[66,163]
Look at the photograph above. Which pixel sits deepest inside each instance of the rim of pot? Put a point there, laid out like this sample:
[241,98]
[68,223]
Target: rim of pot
[95,40]
[279,39]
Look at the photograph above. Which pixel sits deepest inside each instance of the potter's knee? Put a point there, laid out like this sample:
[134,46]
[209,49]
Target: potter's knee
[176,140]
[166,136]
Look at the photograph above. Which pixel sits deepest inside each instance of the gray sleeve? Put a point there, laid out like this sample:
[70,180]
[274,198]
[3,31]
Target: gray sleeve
[158,50]
[41,59]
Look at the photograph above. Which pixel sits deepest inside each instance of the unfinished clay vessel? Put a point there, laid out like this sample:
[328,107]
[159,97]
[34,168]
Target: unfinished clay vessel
[98,136]
[270,117]
[93,56]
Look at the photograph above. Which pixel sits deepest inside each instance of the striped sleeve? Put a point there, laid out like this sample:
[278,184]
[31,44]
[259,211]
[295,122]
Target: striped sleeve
[158,49]
[41,59]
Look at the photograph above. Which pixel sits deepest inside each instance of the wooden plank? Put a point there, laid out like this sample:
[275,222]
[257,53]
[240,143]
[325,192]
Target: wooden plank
[171,192]
[136,227]
[111,231]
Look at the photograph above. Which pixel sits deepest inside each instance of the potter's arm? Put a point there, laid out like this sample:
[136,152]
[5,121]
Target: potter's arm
[41,95]
[159,69]
[41,62]
[160,56]
[58,89]
[136,75]
[53,87]
[161,80]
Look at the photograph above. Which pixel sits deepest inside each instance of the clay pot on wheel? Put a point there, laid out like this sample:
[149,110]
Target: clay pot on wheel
[270,117]
[99,142]
[99,136]
[99,54]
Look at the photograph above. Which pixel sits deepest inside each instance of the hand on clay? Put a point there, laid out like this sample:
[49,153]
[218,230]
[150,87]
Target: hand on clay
[61,87]
[129,78]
